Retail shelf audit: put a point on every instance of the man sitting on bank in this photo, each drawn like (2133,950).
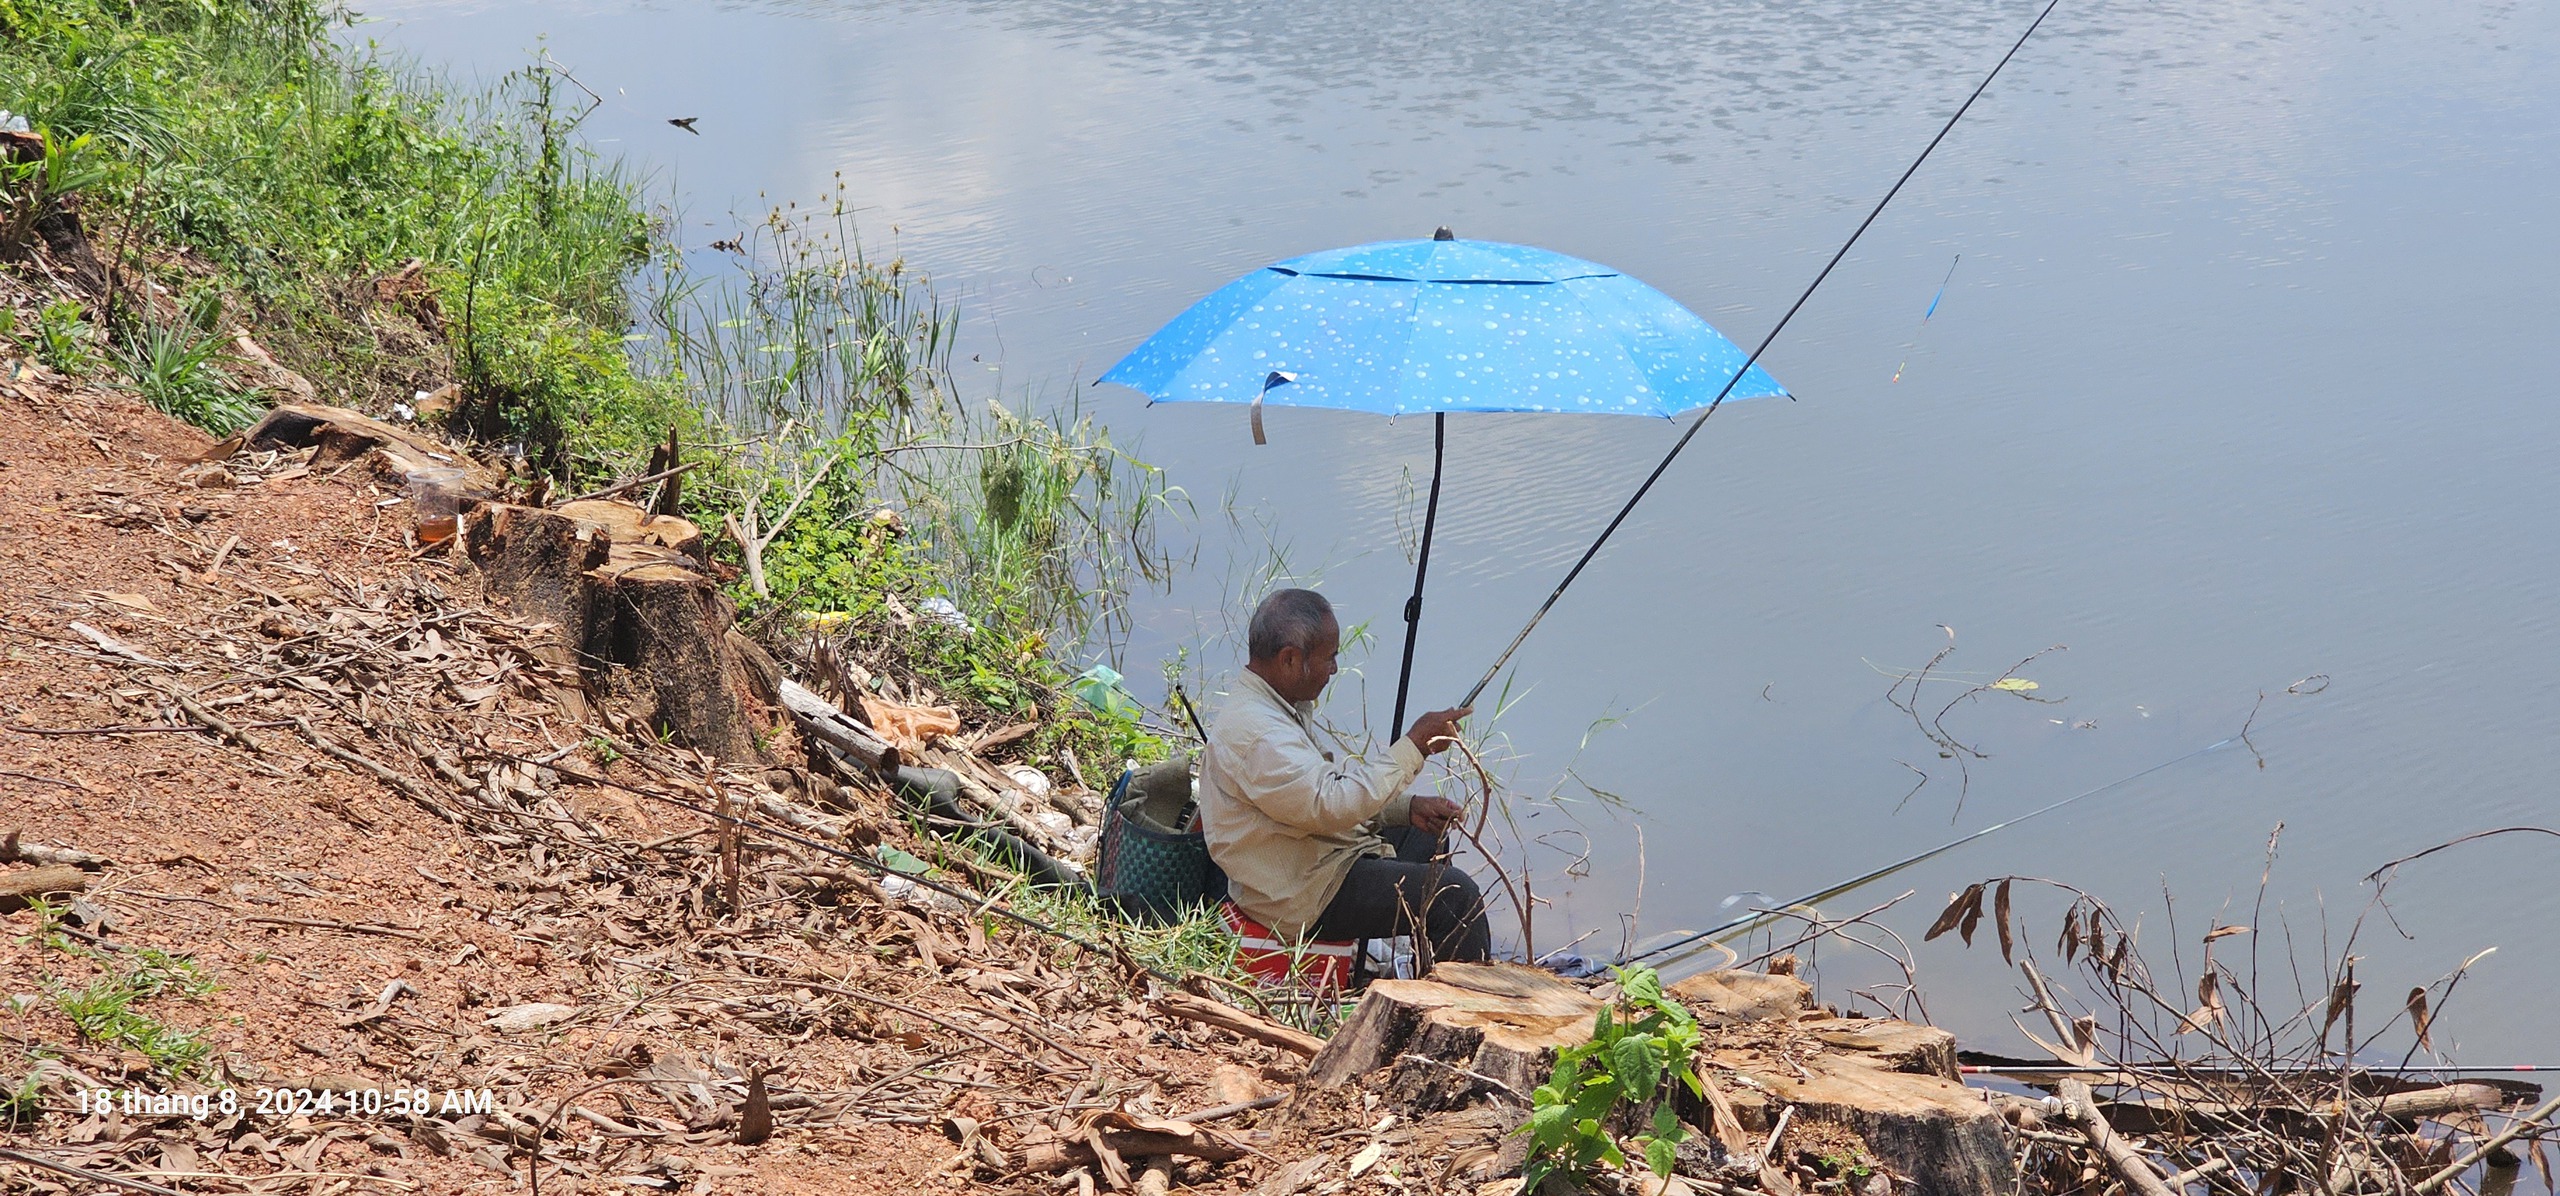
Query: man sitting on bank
(1318,848)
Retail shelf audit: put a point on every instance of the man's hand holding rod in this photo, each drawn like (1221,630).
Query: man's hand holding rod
(1433,733)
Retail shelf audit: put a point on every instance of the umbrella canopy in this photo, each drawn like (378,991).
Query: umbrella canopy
(1401,327)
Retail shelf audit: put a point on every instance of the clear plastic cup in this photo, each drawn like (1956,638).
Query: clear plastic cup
(435,499)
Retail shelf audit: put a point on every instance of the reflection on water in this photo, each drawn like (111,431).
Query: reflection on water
(2237,381)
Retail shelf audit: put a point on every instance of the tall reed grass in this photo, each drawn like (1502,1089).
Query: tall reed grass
(1031,522)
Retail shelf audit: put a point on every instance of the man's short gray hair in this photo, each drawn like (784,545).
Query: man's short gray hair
(1287,619)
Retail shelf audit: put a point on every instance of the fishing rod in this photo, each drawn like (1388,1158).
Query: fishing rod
(1756,918)
(2057,1069)
(1765,342)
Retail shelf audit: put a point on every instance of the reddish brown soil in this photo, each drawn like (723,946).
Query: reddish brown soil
(98,526)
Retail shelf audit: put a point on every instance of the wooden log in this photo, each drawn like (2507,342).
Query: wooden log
(1129,1136)
(819,719)
(19,885)
(2171,1107)
(15,851)
(1227,1017)
(2435,1102)
(343,436)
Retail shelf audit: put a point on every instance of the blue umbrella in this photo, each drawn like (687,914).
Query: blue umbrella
(1404,327)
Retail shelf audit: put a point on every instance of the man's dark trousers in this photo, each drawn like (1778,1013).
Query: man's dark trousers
(1377,899)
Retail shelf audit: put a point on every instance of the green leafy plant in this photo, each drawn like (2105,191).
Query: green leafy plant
(62,340)
(1640,1049)
(172,368)
(30,189)
(21,1103)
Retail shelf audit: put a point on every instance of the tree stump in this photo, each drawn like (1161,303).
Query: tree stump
(534,563)
(622,523)
(1477,1032)
(629,607)
(623,592)
(668,626)
(1889,1084)
(1469,1031)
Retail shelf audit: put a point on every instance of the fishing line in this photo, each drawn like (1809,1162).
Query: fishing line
(1753,920)
(1924,316)
(1701,421)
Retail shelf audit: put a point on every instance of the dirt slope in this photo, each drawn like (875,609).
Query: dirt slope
(470,918)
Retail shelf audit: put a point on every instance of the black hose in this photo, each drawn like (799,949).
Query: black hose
(936,792)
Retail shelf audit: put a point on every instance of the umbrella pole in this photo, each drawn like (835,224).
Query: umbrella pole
(1421,567)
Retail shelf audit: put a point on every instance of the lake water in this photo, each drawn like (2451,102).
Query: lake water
(2244,376)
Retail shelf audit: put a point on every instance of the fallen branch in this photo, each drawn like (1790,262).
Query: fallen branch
(116,647)
(629,484)
(753,540)
(394,932)
(83,1173)
(1227,1017)
(20,885)
(12,851)
(1222,1112)
(2532,1122)
(217,724)
(403,785)
(2081,1109)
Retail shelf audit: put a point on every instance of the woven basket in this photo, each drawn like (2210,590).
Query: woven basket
(1149,867)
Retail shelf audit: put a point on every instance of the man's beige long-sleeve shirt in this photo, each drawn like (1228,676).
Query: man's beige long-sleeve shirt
(1282,817)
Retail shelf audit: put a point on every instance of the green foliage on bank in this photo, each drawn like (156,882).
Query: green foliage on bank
(384,233)
(241,154)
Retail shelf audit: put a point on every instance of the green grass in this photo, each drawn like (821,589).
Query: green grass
(834,368)
(172,368)
(105,1010)
(1200,944)
(297,172)
(21,1103)
(300,176)
(61,340)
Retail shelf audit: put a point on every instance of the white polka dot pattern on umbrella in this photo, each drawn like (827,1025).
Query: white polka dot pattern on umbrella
(1401,327)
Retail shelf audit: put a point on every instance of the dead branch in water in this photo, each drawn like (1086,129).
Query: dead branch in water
(2211,1084)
